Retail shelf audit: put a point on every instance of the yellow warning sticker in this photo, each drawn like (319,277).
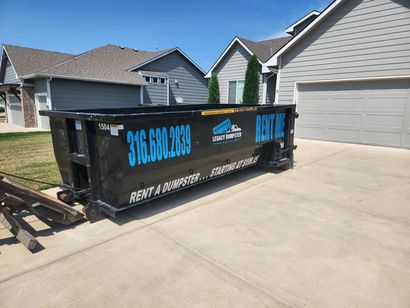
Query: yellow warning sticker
(217,111)
(228,110)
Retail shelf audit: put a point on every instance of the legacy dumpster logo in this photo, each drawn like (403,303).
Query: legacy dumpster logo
(226,132)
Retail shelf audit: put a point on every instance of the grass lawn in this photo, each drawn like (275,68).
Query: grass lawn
(29,155)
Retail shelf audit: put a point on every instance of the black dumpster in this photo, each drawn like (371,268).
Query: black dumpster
(125,157)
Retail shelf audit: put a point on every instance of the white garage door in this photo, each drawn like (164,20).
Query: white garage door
(14,110)
(373,112)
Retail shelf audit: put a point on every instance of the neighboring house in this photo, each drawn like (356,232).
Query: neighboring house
(348,72)
(230,67)
(106,77)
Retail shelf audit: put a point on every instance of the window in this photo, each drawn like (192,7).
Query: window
(235,91)
(154,79)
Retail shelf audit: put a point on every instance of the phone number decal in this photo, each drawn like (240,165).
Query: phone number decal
(156,144)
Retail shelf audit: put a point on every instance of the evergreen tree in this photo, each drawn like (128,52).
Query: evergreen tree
(251,87)
(213,90)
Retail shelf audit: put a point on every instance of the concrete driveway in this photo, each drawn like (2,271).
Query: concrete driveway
(12,128)
(332,232)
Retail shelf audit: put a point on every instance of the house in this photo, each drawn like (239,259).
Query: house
(106,77)
(231,68)
(231,65)
(348,71)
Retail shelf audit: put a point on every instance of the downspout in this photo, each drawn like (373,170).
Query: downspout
(278,80)
(141,95)
(49,103)
(168,91)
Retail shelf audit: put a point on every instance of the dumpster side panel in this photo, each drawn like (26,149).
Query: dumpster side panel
(142,160)
(128,158)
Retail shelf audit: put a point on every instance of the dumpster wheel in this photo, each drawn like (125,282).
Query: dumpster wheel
(93,213)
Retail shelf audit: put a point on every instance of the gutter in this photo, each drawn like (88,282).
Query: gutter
(82,79)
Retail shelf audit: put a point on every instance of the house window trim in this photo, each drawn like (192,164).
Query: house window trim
(166,83)
(236,94)
(8,95)
(151,77)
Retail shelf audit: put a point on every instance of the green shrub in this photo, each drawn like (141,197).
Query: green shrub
(213,90)
(251,87)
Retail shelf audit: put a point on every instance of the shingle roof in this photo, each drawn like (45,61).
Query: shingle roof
(265,49)
(108,63)
(28,60)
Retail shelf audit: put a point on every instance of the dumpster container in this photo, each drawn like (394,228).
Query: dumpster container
(125,157)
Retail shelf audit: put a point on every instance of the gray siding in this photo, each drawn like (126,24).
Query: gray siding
(40,85)
(71,94)
(155,94)
(192,86)
(233,67)
(10,74)
(359,39)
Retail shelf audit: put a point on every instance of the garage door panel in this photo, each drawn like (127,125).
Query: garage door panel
(346,103)
(312,118)
(382,138)
(379,103)
(305,131)
(342,134)
(344,119)
(407,140)
(369,112)
(314,103)
(15,111)
(384,121)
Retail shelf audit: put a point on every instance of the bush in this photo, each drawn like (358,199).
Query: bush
(251,87)
(1,109)
(213,90)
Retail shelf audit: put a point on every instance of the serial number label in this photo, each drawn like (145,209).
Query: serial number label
(156,144)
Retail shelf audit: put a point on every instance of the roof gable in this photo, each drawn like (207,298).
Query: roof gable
(262,49)
(28,60)
(265,49)
(273,61)
(167,52)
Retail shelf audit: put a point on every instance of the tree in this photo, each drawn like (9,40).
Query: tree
(251,87)
(213,90)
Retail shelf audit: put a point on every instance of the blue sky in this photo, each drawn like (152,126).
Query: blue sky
(201,28)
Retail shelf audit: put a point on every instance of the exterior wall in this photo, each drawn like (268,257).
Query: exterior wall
(29,108)
(271,89)
(72,95)
(360,39)
(192,85)
(233,67)
(40,85)
(155,94)
(9,74)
